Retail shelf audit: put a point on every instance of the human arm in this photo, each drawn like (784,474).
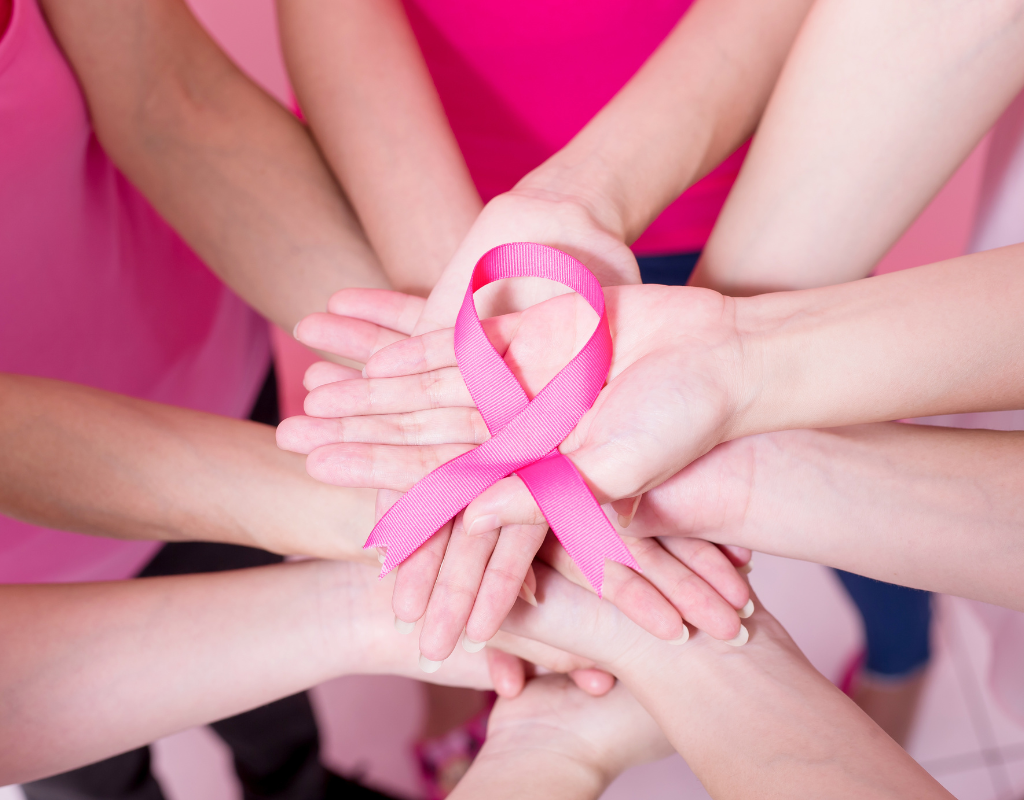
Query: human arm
(694,101)
(932,340)
(753,722)
(231,170)
(875,108)
(90,670)
(371,104)
(928,507)
(96,462)
(555,741)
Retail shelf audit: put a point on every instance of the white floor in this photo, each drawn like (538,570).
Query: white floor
(961,736)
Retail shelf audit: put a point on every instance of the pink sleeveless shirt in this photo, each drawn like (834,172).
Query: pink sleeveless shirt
(519,80)
(96,289)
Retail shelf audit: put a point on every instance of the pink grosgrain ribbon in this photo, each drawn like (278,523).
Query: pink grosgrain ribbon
(525,433)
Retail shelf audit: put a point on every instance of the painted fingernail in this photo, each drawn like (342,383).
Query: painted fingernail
(471,645)
(746,569)
(429,666)
(404,627)
(740,638)
(382,554)
(527,594)
(747,610)
(682,637)
(623,519)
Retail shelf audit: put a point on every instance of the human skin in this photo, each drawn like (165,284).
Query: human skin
(90,670)
(80,459)
(95,462)
(694,101)
(752,722)
(928,507)
(932,340)
(242,182)
(555,741)
(877,105)
(231,170)
(702,585)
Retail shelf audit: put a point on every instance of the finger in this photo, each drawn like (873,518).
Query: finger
(453,595)
(508,673)
(350,338)
(323,372)
(739,556)
(507,502)
(424,353)
(378,466)
(626,509)
(439,389)
(595,682)
(417,575)
(395,310)
(569,618)
(697,602)
(631,593)
(712,566)
(539,653)
(507,570)
(436,426)
(436,349)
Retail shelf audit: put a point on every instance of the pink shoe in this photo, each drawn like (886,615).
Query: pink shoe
(445,759)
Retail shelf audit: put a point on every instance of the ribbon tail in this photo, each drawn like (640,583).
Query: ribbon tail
(575,516)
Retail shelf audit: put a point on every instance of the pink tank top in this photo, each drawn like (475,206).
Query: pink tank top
(96,289)
(519,80)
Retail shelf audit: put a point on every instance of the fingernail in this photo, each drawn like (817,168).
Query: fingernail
(623,519)
(740,638)
(295,330)
(471,645)
(746,569)
(382,554)
(747,610)
(527,594)
(404,627)
(429,666)
(484,524)
(682,637)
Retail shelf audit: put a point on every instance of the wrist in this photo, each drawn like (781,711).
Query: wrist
(578,185)
(531,762)
(767,375)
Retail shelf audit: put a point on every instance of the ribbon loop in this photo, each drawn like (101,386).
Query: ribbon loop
(525,434)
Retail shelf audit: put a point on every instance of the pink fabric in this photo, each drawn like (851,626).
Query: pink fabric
(519,80)
(525,433)
(95,288)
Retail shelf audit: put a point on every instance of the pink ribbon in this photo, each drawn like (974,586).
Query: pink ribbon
(525,434)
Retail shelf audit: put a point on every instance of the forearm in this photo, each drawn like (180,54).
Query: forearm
(932,508)
(500,773)
(698,97)
(770,725)
(90,670)
(371,103)
(876,106)
(755,721)
(933,340)
(95,462)
(234,173)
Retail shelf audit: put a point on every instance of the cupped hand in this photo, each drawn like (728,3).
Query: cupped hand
(528,215)
(415,396)
(606,734)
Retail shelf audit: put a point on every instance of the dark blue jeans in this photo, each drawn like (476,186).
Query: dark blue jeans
(897,620)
